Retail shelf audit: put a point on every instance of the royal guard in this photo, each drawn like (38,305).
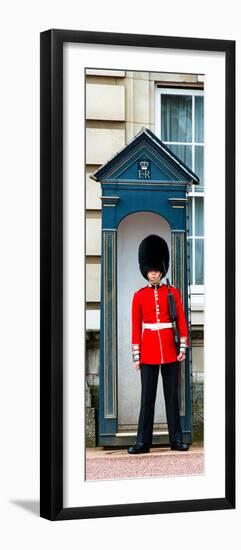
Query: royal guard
(159,338)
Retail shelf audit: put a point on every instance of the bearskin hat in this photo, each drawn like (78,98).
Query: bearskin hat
(153,254)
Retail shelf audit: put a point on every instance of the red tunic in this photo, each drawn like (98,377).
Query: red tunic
(150,305)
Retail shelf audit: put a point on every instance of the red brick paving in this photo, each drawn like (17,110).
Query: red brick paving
(118,464)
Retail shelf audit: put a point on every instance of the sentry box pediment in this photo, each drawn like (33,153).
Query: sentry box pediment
(145,160)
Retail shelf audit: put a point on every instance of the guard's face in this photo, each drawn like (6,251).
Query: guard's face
(154,275)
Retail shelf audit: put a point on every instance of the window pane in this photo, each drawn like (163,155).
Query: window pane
(176,118)
(189,211)
(199,119)
(189,248)
(199,247)
(199,166)
(183,152)
(199,216)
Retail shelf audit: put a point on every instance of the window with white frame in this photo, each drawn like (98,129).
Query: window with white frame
(180,125)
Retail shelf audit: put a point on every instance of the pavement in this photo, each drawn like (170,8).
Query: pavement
(104,463)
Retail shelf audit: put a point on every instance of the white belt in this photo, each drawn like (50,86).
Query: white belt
(156,326)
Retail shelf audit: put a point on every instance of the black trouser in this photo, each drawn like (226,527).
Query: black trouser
(149,379)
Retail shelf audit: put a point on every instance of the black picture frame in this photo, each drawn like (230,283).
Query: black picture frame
(51,273)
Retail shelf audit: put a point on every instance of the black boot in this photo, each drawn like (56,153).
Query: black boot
(138,448)
(179,446)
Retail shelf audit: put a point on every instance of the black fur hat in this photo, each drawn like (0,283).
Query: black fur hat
(153,254)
